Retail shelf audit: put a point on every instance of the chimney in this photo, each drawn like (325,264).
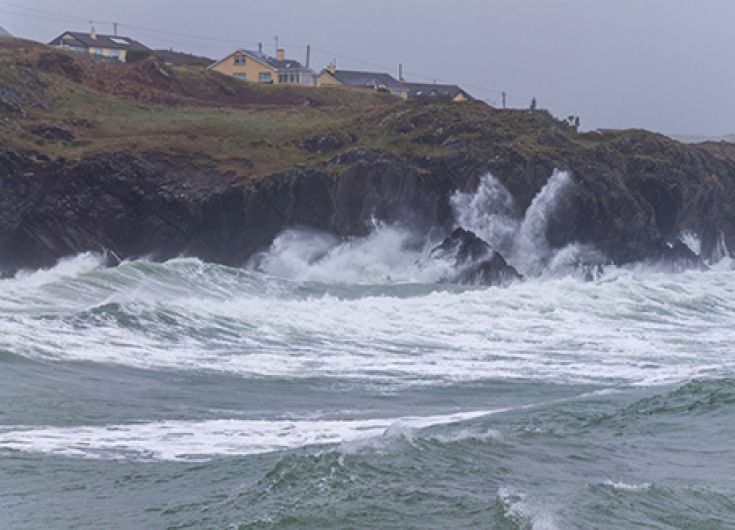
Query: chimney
(93,33)
(260,47)
(280,54)
(331,68)
(400,72)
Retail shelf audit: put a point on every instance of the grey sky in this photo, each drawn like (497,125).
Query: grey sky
(666,65)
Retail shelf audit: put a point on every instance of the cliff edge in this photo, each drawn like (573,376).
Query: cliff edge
(159,161)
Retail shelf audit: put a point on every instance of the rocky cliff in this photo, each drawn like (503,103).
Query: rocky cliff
(633,194)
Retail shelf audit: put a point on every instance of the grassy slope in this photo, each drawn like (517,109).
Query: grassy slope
(247,129)
(147,107)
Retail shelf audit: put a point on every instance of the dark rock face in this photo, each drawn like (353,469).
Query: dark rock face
(462,246)
(53,133)
(631,196)
(492,271)
(476,263)
(325,143)
(162,208)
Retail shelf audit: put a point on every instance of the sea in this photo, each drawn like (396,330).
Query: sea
(342,384)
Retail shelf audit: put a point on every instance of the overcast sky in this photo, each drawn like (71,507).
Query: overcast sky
(666,65)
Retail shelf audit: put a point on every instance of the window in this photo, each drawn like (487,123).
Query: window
(265,77)
(239,59)
(294,78)
(281,78)
(240,76)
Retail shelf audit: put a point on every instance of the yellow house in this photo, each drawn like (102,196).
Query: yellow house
(258,67)
(109,48)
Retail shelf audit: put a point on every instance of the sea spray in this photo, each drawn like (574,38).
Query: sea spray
(392,253)
(531,251)
(490,212)
(389,254)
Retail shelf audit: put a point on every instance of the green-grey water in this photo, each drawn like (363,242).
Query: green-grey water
(192,395)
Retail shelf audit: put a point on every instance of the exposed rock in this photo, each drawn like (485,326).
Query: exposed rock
(462,246)
(325,143)
(492,271)
(475,261)
(11,101)
(50,132)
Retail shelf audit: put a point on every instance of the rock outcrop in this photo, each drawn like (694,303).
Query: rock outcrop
(159,206)
(474,261)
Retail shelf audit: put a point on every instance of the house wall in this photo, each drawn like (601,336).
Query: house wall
(103,53)
(107,53)
(459,97)
(252,68)
(326,80)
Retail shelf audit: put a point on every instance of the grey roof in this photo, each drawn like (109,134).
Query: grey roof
(287,65)
(434,90)
(366,79)
(85,40)
(4,33)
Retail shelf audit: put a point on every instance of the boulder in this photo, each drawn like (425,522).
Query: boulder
(475,262)
(462,246)
(491,271)
(51,132)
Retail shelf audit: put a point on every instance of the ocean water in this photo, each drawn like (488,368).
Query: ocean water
(343,384)
(192,395)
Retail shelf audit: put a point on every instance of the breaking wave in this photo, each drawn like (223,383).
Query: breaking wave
(395,254)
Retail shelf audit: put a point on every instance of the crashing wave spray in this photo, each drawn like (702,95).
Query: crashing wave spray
(489,212)
(389,254)
(531,251)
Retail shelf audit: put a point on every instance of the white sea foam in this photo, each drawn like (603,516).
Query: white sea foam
(202,440)
(393,254)
(390,254)
(520,507)
(630,327)
(628,487)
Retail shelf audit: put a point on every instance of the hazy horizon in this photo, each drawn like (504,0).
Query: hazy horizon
(655,64)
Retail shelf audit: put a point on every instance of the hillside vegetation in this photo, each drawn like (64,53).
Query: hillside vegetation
(156,160)
(54,104)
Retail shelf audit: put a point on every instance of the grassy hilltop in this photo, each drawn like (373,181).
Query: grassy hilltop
(145,107)
(243,128)
(149,159)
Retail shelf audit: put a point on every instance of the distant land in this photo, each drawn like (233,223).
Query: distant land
(696,138)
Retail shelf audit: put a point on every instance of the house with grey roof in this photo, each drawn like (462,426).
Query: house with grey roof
(259,67)
(435,91)
(379,81)
(110,48)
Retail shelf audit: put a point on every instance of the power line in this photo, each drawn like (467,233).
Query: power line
(41,17)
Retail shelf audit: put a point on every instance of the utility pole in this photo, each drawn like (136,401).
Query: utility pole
(504,106)
(276,37)
(114,28)
(400,72)
(308,55)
